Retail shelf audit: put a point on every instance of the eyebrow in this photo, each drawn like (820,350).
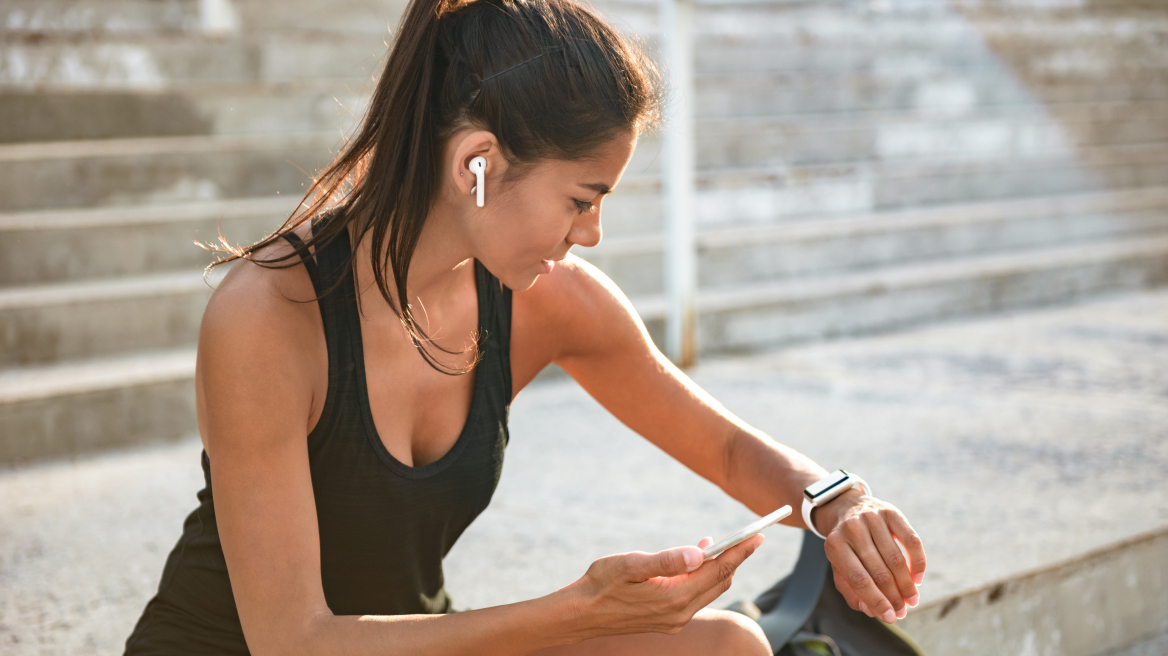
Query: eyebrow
(598,187)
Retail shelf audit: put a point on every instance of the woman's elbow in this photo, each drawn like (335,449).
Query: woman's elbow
(303,636)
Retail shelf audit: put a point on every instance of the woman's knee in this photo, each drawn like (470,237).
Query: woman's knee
(735,634)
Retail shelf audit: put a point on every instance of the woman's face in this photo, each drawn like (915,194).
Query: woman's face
(528,224)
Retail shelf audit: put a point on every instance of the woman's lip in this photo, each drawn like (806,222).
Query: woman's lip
(548,265)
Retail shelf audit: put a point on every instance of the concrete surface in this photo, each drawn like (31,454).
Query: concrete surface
(1091,604)
(1157,646)
(1010,443)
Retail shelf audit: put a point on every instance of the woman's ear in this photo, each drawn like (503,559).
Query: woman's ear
(468,146)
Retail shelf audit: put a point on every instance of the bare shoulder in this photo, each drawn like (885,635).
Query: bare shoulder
(573,287)
(258,301)
(261,344)
(579,309)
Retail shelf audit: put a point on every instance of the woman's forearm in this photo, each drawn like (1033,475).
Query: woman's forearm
(510,630)
(765,475)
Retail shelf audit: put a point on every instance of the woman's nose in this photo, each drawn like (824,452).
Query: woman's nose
(586,231)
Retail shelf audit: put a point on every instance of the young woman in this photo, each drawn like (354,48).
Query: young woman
(352,435)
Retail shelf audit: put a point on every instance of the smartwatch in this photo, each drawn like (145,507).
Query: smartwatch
(826,489)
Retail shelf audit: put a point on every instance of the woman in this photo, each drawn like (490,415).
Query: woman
(352,437)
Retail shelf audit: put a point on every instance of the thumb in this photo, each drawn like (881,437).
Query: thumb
(671,562)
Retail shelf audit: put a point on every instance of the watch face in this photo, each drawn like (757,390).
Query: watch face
(826,485)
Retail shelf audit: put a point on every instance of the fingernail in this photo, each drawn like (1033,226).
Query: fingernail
(918,578)
(901,613)
(889,617)
(864,609)
(692,557)
(913,600)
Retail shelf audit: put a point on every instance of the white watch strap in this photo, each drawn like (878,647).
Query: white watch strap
(808,506)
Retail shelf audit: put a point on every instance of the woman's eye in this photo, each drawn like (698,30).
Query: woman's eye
(583,206)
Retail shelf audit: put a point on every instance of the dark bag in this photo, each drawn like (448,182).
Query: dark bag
(805,615)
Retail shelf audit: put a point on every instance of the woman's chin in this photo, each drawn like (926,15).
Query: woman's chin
(520,281)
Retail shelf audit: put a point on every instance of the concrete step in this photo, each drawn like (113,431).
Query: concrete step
(1030,61)
(769,315)
(160,169)
(97,18)
(934,88)
(1042,611)
(998,132)
(89,18)
(728,258)
(187,110)
(77,407)
(345,16)
(1151,646)
(1040,6)
(155,61)
(910,24)
(57,246)
(919,8)
(46,175)
(768,196)
(95,318)
(859,27)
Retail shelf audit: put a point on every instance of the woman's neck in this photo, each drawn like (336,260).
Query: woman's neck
(441,254)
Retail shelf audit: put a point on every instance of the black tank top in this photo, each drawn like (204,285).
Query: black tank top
(384,526)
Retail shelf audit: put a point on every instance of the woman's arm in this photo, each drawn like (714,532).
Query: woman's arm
(255,392)
(577,318)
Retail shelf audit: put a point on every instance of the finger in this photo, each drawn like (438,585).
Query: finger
(860,539)
(849,595)
(912,544)
(893,558)
(856,576)
(705,542)
(715,575)
(671,562)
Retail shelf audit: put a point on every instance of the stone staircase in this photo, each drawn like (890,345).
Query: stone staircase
(864,166)
(127,130)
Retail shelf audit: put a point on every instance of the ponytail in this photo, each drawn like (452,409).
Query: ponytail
(548,78)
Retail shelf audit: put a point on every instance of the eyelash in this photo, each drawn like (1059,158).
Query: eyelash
(583,206)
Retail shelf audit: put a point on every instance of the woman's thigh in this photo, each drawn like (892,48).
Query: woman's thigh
(709,633)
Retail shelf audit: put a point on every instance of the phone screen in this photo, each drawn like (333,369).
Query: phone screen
(746,532)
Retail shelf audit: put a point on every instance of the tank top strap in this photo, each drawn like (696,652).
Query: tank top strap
(327,269)
(308,260)
(495,319)
(334,259)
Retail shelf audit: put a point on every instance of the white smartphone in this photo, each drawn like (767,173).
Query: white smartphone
(746,532)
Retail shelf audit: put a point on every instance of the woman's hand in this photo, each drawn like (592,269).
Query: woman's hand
(870,569)
(659,592)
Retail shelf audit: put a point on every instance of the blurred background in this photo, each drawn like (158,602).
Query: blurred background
(929,240)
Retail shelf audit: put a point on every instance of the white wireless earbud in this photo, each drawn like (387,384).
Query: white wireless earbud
(478,166)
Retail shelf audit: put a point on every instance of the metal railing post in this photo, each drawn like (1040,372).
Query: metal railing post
(677,181)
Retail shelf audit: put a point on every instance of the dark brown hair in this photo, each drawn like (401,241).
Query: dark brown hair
(549,78)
